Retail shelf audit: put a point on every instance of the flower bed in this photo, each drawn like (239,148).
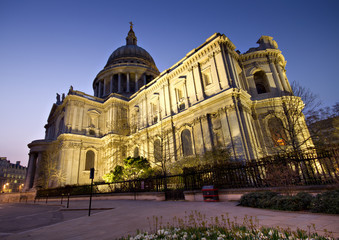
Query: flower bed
(197,226)
(219,233)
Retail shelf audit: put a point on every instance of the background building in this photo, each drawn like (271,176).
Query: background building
(214,97)
(12,176)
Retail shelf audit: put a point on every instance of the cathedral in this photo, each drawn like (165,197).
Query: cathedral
(214,97)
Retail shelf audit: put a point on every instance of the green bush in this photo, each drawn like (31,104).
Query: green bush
(305,200)
(258,199)
(287,203)
(327,202)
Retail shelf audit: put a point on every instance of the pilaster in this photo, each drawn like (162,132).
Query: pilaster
(198,82)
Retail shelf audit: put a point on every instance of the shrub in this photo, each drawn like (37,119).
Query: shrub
(327,202)
(258,199)
(305,200)
(287,203)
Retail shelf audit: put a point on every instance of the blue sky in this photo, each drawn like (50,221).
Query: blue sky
(46,46)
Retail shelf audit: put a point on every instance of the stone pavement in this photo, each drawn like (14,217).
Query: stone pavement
(127,216)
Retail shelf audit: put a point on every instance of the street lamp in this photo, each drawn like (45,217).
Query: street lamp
(5,187)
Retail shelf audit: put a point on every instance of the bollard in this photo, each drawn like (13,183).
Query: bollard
(46,198)
(68,200)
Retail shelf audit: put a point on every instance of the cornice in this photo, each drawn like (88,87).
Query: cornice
(263,54)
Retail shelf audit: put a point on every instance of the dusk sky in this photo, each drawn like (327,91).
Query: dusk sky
(46,46)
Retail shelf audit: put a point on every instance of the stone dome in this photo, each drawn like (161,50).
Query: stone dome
(127,70)
(131,53)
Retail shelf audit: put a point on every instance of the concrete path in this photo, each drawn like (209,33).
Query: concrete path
(127,216)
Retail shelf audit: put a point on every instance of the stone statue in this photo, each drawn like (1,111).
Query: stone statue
(70,89)
(58,98)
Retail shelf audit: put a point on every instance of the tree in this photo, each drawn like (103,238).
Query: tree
(134,167)
(216,157)
(324,126)
(287,124)
(115,175)
(50,175)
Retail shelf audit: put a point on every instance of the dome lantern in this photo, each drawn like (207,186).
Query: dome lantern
(131,39)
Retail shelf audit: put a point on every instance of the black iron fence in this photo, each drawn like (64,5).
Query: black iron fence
(311,168)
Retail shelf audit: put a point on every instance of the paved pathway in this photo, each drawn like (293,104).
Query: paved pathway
(127,216)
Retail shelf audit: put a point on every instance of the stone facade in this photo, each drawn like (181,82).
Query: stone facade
(213,97)
(12,176)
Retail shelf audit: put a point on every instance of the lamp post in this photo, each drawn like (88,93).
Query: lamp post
(91,176)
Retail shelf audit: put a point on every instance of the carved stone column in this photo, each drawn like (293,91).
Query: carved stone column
(127,87)
(187,102)
(105,83)
(136,82)
(282,78)
(100,93)
(38,162)
(119,83)
(198,82)
(275,75)
(215,73)
(111,84)
(29,180)
(205,125)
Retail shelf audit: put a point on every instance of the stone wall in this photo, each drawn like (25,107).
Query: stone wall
(17,197)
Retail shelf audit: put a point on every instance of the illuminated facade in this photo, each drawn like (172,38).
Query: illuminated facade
(213,97)
(12,176)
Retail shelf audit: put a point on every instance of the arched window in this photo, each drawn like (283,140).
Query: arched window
(186,141)
(136,152)
(277,132)
(90,156)
(261,82)
(157,150)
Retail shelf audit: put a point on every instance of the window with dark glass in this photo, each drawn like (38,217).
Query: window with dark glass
(186,141)
(261,82)
(90,156)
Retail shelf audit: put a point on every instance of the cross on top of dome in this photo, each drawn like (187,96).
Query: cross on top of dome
(131,39)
